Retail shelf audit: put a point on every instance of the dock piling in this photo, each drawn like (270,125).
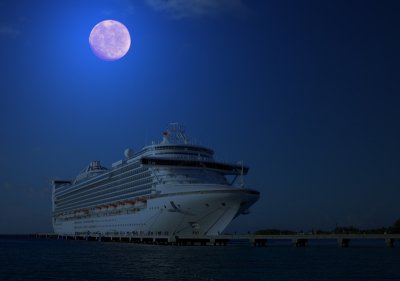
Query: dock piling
(299,242)
(389,242)
(343,242)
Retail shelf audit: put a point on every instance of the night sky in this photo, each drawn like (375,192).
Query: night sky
(306,93)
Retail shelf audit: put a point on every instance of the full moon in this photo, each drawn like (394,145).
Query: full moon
(110,40)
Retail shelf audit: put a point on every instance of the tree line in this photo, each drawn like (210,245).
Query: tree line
(393,229)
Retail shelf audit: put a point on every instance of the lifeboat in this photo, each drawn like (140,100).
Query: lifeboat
(128,204)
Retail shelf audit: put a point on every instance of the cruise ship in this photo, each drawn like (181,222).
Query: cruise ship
(170,188)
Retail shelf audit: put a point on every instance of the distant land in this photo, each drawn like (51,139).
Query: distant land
(394,229)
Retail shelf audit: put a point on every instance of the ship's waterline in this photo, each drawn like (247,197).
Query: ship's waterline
(170,188)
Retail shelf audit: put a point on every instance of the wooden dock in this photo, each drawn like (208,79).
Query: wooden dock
(297,240)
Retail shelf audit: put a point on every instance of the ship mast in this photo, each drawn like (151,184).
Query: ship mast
(175,134)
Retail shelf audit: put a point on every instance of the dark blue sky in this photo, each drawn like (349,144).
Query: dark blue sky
(307,93)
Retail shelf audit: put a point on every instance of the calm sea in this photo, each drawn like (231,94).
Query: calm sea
(35,259)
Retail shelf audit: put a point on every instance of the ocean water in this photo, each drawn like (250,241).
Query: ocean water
(40,259)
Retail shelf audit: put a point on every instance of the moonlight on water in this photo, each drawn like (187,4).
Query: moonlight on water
(110,40)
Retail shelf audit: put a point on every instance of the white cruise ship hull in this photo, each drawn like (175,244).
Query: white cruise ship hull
(204,210)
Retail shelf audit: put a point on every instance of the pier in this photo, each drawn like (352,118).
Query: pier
(297,240)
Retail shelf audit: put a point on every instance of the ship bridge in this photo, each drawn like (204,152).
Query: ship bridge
(227,169)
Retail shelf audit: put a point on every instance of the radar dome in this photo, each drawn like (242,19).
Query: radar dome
(128,153)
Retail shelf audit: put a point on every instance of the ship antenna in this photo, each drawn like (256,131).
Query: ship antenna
(177,133)
(241,176)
